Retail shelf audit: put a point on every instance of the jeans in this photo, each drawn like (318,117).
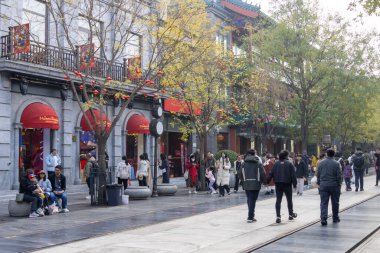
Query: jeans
(347,180)
(124,181)
(165,178)
(35,200)
(359,178)
(210,185)
(282,188)
(222,187)
(62,196)
(251,201)
(326,193)
(236,188)
(300,183)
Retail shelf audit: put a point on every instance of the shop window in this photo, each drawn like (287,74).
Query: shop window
(132,150)
(90,33)
(133,46)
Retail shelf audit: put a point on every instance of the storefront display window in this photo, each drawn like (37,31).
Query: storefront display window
(222,141)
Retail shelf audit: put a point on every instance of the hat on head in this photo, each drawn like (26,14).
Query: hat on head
(42,172)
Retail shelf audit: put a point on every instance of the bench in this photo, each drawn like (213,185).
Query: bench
(138,192)
(166,189)
(19,209)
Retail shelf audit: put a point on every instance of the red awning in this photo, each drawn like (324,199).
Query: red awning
(38,115)
(94,122)
(138,124)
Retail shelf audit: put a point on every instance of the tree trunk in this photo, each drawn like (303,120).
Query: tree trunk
(304,127)
(101,142)
(202,170)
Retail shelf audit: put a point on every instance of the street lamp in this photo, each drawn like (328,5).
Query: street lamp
(156,129)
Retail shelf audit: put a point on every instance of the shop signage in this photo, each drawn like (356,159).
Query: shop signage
(180,106)
(49,119)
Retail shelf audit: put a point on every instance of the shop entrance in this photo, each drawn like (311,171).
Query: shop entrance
(37,136)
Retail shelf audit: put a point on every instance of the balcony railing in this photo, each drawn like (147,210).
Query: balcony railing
(64,59)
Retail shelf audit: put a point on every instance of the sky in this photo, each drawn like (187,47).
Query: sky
(333,6)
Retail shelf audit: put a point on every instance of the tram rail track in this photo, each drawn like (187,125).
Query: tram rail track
(309,224)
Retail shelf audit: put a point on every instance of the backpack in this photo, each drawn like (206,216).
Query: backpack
(358,162)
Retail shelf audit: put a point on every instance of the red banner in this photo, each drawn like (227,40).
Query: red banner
(180,106)
(134,68)
(86,56)
(21,38)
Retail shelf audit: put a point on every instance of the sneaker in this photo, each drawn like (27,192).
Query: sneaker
(292,216)
(361,189)
(324,222)
(300,193)
(278,220)
(249,220)
(267,193)
(40,212)
(195,192)
(235,191)
(337,220)
(88,197)
(65,210)
(214,192)
(229,193)
(272,191)
(189,191)
(220,195)
(356,189)
(34,215)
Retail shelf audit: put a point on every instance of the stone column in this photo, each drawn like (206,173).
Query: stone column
(123,146)
(76,166)
(16,152)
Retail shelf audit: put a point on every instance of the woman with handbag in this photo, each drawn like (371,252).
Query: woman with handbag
(164,167)
(143,171)
(223,176)
(192,168)
(45,186)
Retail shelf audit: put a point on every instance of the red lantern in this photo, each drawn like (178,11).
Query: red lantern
(147,81)
(108,79)
(66,77)
(76,73)
(105,90)
(116,96)
(145,95)
(155,95)
(151,83)
(124,97)
(163,91)
(95,92)
(93,83)
(81,87)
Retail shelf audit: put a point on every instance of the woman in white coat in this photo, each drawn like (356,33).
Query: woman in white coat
(223,177)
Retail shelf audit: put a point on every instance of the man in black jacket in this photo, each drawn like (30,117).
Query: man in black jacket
(284,176)
(252,175)
(358,163)
(329,179)
(58,185)
(302,172)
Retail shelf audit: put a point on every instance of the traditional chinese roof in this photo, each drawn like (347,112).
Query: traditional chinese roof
(242,8)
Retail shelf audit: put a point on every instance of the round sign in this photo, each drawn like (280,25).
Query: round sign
(156,127)
(157,111)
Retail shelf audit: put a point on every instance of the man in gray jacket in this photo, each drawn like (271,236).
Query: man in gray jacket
(329,179)
(252,176)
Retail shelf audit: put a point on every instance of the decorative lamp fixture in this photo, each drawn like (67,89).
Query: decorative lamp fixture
(130,106)
(115,101)
(64,93)
(24,83)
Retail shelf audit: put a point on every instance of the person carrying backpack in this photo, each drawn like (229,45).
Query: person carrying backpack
(358,163)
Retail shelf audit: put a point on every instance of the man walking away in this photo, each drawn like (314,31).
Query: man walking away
(252,176)
(358,163)
(329,179)
(51,161)
(377,166)
(284,176)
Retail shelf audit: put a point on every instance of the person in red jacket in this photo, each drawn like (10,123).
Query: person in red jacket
(192,167)
(268,165)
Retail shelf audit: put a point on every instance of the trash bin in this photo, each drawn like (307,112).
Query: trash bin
(114,194)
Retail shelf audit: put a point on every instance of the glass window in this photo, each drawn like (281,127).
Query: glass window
(34,13)
(133,46)
(84,35)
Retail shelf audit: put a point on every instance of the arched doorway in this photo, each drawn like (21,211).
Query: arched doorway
(137,129)
(37,135)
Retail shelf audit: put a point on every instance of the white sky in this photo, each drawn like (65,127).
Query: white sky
(333,6)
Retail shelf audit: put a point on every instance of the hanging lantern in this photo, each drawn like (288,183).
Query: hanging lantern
(81,87)
(105,90)
(93,83)
(108,79)
(95,92)
(66,77)
(145,95)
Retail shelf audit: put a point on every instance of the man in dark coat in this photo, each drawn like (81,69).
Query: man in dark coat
(252,176)
(302,172)
(58,185)
(329,179)
(358,162)
(284,176)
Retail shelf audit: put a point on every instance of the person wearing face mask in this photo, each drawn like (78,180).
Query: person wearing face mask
(301,173)
(223,178)
(192,168)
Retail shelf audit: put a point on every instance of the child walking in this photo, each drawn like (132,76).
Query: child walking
(211,179)
(347,174)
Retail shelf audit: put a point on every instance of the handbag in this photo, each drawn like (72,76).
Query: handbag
(141,177)
(19,197)
(186,174)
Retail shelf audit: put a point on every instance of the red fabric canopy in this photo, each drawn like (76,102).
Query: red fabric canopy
(138,124)
(94,122)
(38,115)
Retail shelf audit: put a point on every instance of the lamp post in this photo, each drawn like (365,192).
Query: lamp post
(156,128)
